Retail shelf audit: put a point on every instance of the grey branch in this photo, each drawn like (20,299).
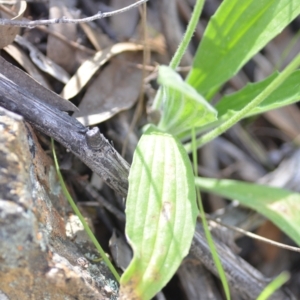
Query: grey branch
(99,15)
(30,103)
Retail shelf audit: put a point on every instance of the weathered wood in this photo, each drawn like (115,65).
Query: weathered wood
(106,161)
(26,83)
(241,276)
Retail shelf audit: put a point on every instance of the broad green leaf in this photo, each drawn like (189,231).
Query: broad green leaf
(287,93)
(280,206)
(161,213)
(182,107)
(237,31)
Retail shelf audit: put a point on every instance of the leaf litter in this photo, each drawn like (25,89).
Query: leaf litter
(109,81)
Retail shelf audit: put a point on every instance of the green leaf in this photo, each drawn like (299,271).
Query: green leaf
(280,206)
(237,31)
(274,285)
(182,107)
(161,213)
(287,93)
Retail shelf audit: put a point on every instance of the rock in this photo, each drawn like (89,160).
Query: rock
(37,259)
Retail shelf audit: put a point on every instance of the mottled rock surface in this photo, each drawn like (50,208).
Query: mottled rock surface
(37,259)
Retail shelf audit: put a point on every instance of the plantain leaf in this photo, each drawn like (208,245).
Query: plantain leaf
(183,108)
(237,31)
(280,206)
(161,214)
(287,93)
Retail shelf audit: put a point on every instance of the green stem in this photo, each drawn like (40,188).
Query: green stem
(248,108)
(208,235)
(188,35)
(182,47)
(81,218)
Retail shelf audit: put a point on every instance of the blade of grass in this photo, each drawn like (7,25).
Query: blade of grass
(80,216)
(274,285)
(247,109)
(183,46)
(209,238)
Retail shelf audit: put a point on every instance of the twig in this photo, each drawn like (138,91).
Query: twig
(16,1)
(71,43)
(57,35)
(92,193)
(99,15)
(89,145)
(242,277)
(255,236)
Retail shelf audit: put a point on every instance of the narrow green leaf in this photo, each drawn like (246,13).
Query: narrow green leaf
(182,107)
(161,213)
(280,206)
(80,216)
(208,235)
(274,285)
(174,63)
(237,31)
(182,46)
(287,93)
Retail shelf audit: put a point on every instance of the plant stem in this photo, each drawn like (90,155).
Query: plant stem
(188,35)
(208,235)
(182,47)
(81,218)
(247,109)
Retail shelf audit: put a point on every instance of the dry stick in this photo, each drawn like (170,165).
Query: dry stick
(101,201)
(16,1)
(89,145)
(242,277)
(99,15)
(71,43)
(255,236)
(53,33)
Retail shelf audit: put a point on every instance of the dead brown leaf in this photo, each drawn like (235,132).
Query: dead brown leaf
(92,65)
(8,33)
(58,51)
(115,89)
(43,62)
(96,36)
(22,58)
(124,24)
